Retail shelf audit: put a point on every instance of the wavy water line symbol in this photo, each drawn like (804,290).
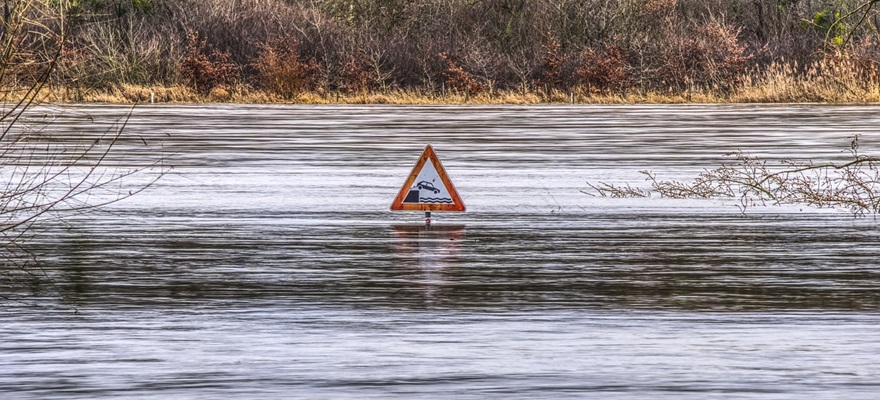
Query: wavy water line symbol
(435,200)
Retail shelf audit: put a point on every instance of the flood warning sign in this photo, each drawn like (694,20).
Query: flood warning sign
(428,187)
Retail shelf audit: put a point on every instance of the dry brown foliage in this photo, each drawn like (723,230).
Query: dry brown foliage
(458,79)
(355,75)
(552,63)
(604,71)
(282,70)
(204,68)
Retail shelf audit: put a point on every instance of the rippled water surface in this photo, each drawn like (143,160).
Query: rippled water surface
(266,263)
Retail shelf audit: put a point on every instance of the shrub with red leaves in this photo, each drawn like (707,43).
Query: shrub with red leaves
(355,75)
(604,71)
(458,79)
(551,67)
(204,71)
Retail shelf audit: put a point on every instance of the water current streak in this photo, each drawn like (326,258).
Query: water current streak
(659,262)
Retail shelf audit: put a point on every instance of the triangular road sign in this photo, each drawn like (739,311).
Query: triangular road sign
(428,187)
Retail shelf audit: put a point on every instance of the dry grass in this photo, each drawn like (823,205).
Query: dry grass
(829,80)
(775,91)
(826,80)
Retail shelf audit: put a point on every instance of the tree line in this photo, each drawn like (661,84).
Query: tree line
(288,47)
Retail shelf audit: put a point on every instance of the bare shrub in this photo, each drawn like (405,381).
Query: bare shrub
(234,27)
(522,66)
(652,8)
(605,189)
(865,55)
(724,58)
(853,185)
(377,60)
(709,56)
(29,45)
(112,43)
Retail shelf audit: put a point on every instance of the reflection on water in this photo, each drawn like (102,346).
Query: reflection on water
(433,251)
(654,262)
(267,265)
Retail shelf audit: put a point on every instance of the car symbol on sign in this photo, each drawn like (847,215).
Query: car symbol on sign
(427,186)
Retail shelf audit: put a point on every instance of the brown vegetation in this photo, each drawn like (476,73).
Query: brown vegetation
(440,51)
(205,69)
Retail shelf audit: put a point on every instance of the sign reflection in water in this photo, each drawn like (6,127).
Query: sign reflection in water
(429,249)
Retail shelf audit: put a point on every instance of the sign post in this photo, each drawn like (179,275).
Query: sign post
(428,188)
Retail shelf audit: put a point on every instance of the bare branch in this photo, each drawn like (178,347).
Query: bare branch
(853,185)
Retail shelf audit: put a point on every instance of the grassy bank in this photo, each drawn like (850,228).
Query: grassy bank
(776,93)
(822,82)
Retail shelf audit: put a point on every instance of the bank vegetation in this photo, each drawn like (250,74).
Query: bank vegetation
(452,51)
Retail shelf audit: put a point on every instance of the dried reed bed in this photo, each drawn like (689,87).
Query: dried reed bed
(826,80)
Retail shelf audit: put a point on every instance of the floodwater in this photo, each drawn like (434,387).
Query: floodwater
(266,263)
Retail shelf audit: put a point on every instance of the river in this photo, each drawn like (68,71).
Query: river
(266,263)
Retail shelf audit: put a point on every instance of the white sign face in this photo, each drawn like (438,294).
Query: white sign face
(430,187)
